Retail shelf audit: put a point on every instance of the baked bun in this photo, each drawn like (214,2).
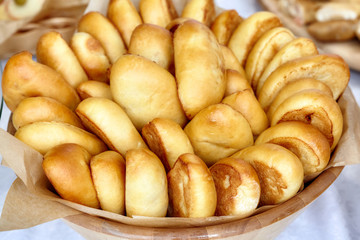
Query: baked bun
(23,77)
(53,51)
(109,121)
(246,103)
(67,168)
(125,17)
(101,28)
(316,108)
(93,88)
(146,188)
(231,62)
(42,136)
(194,45)
(192,191)
(108,175)
(154,43)
(237,187)
(249,31)
(167,140)
(280,171)
(145,91)
(235,82)
(157,12)
(304,140)
(217,132)
(175,23)
(43,109)
(91,56)
(225,24)
(200,10)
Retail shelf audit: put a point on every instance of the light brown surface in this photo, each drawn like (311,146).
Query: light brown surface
(93,88)
(235,82)
(200,10)
(158,12)
(224,25)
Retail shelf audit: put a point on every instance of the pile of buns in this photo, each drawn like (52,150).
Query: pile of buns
(157,114)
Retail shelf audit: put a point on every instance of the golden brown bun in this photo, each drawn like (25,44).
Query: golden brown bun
(192,191)
(175,23)
(200,10)
(94,89)
(108,174)
(145,91)
(225,24)
(23,77)
(306,141)
(330,69)
(294,87)
(43,109)
(231,62)
(334,30)
(101,28)
(109,121)
(297,48)
(125,17)
(235,82)
(67,168)
(196,50)
(42,136)
(217,132)
(249,31)
(91,56)
(146,188)
(167,140)
(264,50)
(280,171)
(158,12)
(154,43)
(316,108)
(53,51)
(246,103)
(237,187)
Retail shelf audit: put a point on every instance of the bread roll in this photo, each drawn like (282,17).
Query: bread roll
(167,140)
(93,88)
(192,191)
(304,140)
(53,51)
(91,56)
(154,43)
(158,12)
(217,132)
(145,91)
(109,121)
(67,168)
(108,174)
(330,31)
(231,62)
(43,109)
(280,171)
(196,50)
(23,77)
(225,24)
(235,82)
(175,23)
(237,187)
(42,136)
(200,10)
(249,31)
(246,103)
(101,28)
(316,108)
(146,187)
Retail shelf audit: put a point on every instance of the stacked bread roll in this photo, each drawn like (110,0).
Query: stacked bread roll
(158,113)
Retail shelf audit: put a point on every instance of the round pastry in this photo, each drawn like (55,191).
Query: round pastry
(91,55)
(231,61)
(109,121)
(167,140)
(53,51)
(235,82)
(217,132)
(158,12)
(108,175)
(225,24)
(23,77)
(146,187)
(316,108)
(192,191)
(43,109)
(67,168)
(93,88)
(101,28)
(237,187)
(42,136)
(304,140)
(200,10)
(280,171)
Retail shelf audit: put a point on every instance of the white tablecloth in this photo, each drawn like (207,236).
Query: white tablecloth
(334,215)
